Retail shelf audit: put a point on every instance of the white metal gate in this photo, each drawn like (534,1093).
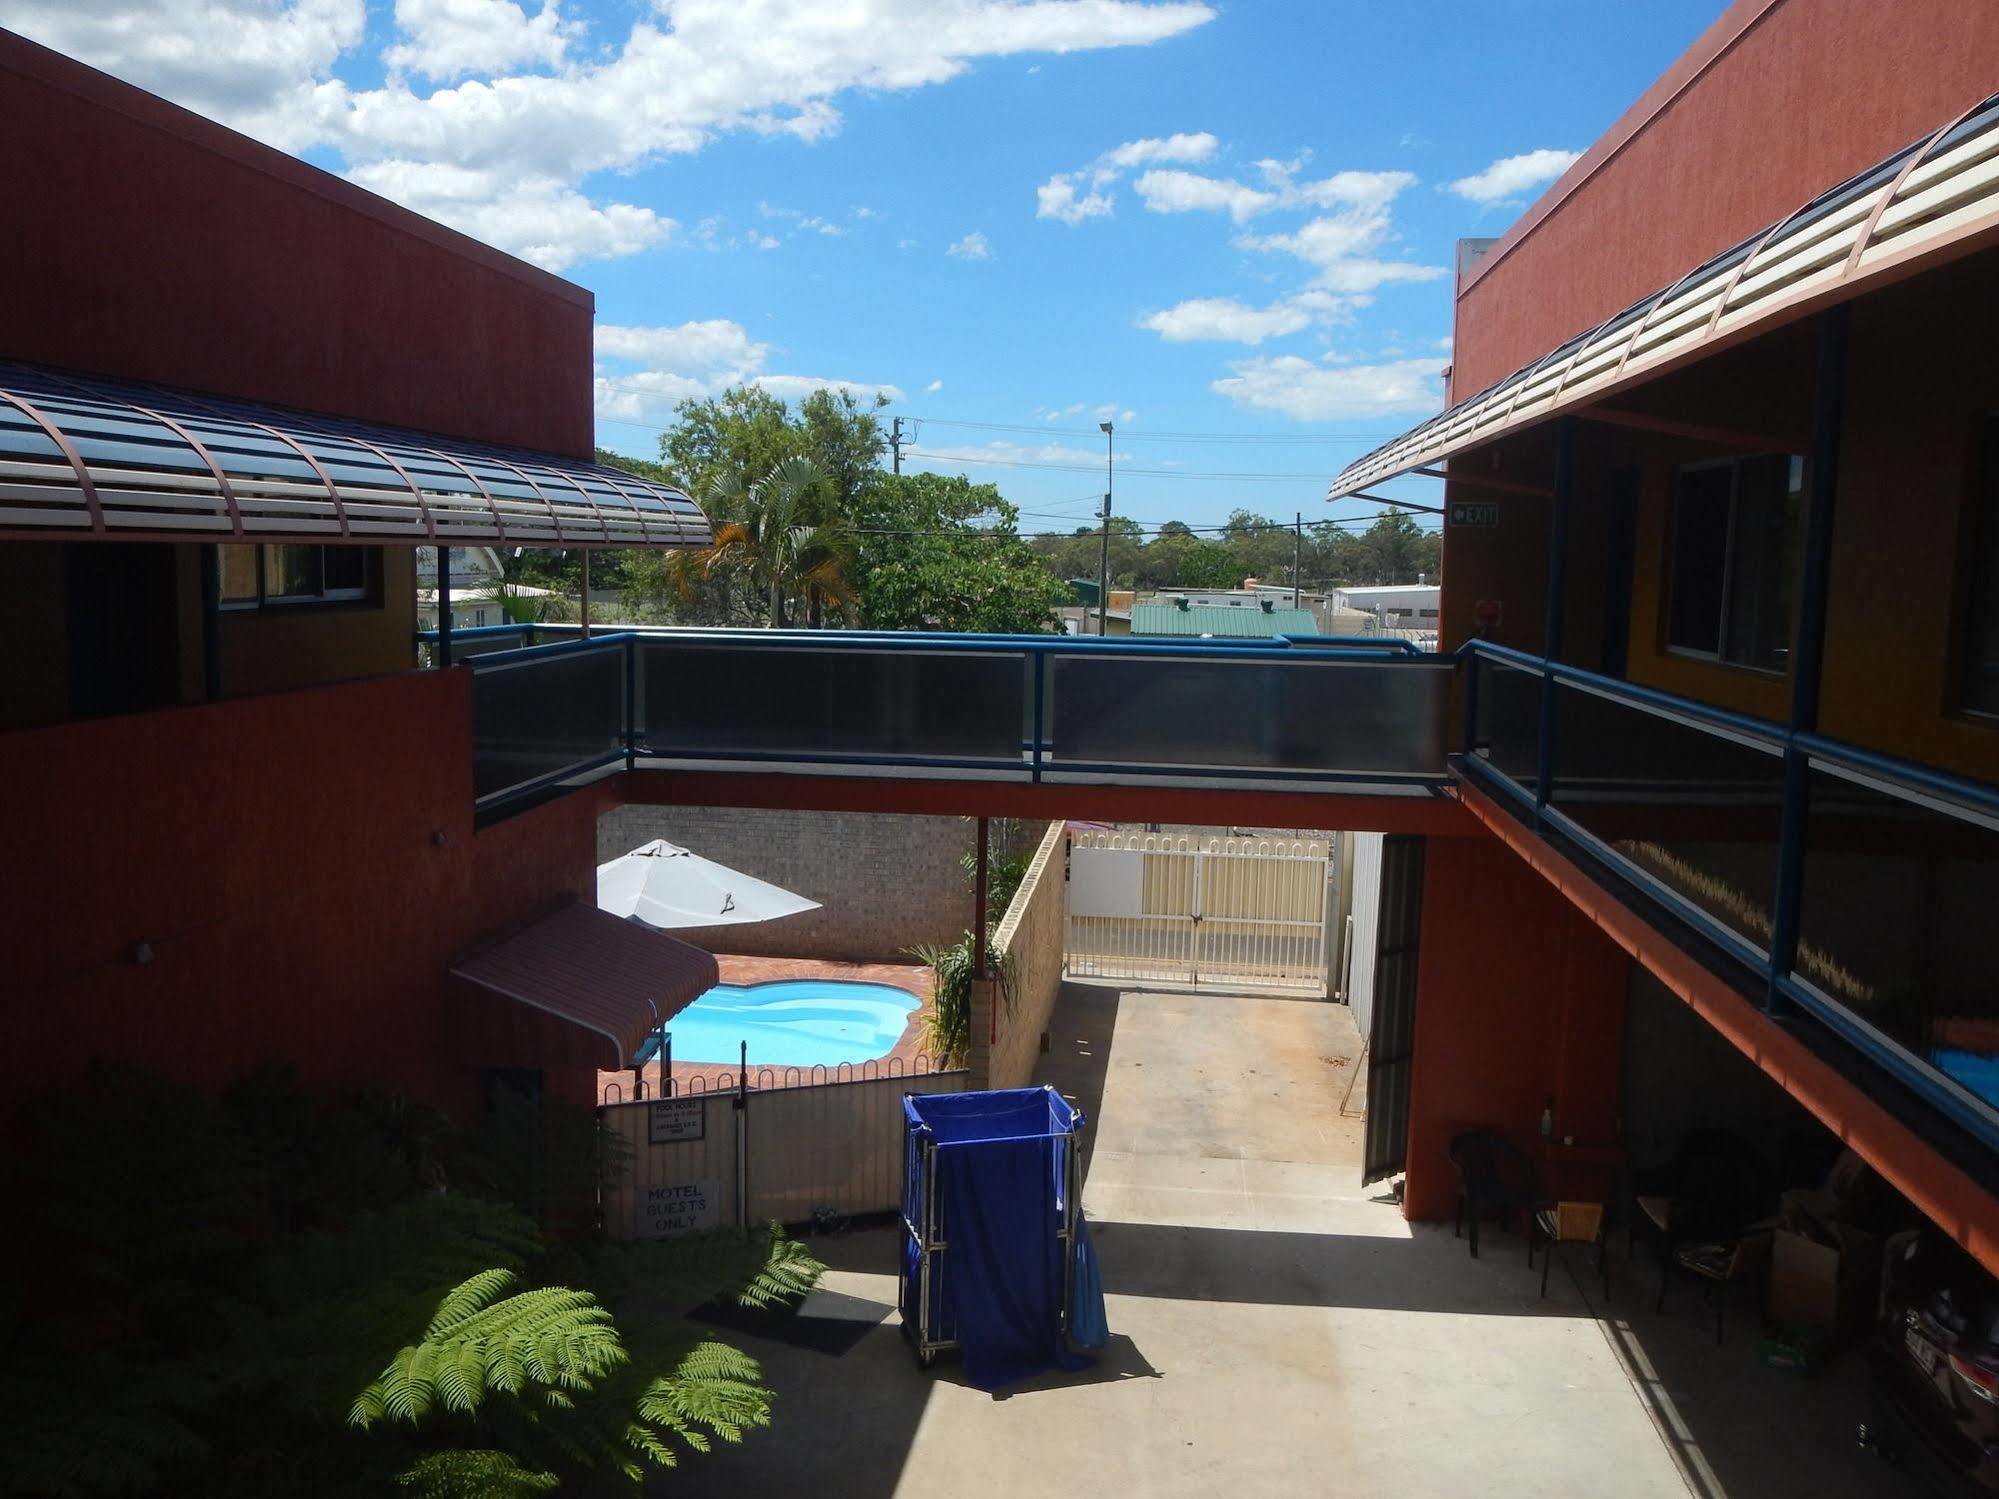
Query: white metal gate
(1189,909)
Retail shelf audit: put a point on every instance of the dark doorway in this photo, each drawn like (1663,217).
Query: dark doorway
(121,602)
(1392,1028)
(1620,558)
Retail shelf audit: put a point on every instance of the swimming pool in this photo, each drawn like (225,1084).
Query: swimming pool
(790,1023)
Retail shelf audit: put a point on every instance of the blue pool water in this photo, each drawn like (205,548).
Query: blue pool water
(792,1023)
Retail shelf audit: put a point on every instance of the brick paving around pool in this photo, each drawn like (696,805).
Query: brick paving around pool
(703,1075)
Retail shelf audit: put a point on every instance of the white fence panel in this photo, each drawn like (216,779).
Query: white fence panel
(1366,907)
(683,1172)
(1179,908)
(694,1160)
(837,1146)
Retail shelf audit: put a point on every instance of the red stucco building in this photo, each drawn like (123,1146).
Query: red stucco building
(1716,727)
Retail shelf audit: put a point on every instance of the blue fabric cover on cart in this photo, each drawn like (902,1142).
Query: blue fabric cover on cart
(1088,1327)
(1001,1158)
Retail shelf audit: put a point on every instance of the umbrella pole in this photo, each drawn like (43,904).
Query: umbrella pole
(979,906)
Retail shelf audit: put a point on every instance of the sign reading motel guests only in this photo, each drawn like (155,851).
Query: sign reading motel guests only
(679,1208)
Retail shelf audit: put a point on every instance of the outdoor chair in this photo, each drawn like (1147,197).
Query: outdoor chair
(1706,1195)
(1717,1266)
(1496,1181)
(1558,1223)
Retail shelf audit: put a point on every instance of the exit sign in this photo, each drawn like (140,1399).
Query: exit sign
(1474,513)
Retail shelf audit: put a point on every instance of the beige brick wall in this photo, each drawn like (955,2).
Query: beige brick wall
(884,882)
(1032,937)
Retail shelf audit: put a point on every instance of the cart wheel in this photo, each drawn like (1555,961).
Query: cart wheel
(924,1359)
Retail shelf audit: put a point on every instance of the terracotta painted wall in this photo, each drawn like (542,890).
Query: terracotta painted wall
(277,854)
(1920,385)
(223,265)
(275,649)
(1778,101)
(1519,997)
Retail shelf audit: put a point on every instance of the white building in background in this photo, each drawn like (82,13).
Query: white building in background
(1404,606)
(476,577)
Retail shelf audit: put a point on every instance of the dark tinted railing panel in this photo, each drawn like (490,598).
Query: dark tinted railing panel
(1693,807)
(1158,712)
(538,717)
(879,705)
(1896,922)
(1506,730)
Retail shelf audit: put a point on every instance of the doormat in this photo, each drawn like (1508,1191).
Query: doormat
(827,1322)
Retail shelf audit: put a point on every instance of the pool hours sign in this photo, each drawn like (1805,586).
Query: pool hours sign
(680,1208)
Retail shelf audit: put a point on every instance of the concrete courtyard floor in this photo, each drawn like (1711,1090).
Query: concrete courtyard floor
(1277,1329)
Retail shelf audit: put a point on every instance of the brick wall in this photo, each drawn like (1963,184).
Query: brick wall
(1031,939)
(884,882)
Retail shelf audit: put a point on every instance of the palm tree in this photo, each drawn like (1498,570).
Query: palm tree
(779,532)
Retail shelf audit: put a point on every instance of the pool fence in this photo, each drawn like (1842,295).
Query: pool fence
(765,1147)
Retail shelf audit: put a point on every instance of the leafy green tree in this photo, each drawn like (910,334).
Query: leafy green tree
(938,552)
(312,1297)
(747,430)
(784,533)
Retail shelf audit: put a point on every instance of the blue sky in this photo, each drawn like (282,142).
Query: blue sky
(1015,216)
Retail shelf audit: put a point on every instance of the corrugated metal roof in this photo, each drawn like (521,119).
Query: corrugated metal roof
(616,978)
(1220,621)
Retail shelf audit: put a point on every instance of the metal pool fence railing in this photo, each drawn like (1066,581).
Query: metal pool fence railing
(740,1155)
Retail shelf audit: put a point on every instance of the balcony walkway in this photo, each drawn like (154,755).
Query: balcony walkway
(1278,1330)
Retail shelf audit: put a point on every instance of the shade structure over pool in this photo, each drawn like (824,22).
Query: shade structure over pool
(586,988)
(665,885)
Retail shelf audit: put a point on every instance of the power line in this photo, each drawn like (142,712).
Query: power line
(1246,477)
(1276,439)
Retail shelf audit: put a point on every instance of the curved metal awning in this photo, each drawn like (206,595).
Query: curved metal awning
(84,457)
(1928,202)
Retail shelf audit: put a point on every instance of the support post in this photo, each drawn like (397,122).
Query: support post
(583,606)
(443,604)
(211,624)
(980,874)
(1808,649)
(1558,581)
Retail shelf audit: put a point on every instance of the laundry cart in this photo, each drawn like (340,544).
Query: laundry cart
(990,1219)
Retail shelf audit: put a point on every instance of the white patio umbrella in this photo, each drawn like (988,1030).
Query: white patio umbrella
(665,885)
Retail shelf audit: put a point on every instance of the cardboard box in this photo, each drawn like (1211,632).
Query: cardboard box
(1804,1281)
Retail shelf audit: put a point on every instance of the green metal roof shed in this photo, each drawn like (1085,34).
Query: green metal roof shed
(1220,621)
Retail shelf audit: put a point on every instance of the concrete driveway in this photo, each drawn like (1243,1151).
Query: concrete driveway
(1278,1329)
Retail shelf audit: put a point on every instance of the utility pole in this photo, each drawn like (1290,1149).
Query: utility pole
(1104,560)
(1297,553)
(895,442)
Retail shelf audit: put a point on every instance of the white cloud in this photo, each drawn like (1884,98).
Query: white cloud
(537,218)
(1226,320)
(1065,197)
(1309,392)
(797,387)
(448,39)
(714,344)
(1511,176)
(685,72)
(1057,199)
(692,360)
(249,63)
(933,387)
(1004,453)
(1180,146)
(972,247)
(759,240)
(1188,192)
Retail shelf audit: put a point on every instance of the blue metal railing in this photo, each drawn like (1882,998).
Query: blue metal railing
(1825,886)
(1007,707)
(1799,857)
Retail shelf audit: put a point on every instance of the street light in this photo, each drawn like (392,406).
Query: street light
(1104,560)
